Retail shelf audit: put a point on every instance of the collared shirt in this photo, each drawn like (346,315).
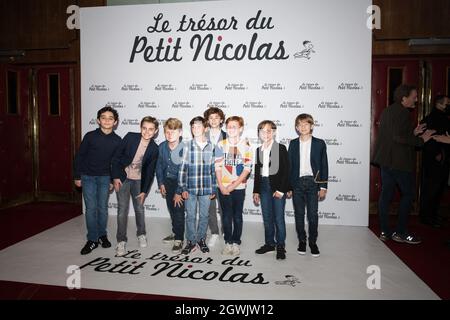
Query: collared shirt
(232,160)
(266,160)
(135,168)
(305,158)
(169,163)
(197,174)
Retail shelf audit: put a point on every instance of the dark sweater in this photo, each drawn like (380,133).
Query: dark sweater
(395,147)
(94,155)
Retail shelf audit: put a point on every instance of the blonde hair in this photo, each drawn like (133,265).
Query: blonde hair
(173,124)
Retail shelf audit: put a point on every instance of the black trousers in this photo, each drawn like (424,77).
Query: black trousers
(434,183)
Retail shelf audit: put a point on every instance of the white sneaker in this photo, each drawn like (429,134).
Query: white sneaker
(227,250)
(213,239)
(142,239)
(235,251)
(121,249)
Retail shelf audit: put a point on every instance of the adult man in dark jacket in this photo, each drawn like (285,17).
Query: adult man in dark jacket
(435,162)
(395,153)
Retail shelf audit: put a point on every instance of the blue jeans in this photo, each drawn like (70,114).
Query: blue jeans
(305,194)
(405,181)
(273,215)
(96,194)
(232,206)
(193,232)
(176,213)
(129,188)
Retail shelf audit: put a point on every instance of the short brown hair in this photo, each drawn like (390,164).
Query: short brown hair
(214,110)
(173,124)
(304,116)
(198,119)
(402,91)
(238,119)
(151,120)
(262,124)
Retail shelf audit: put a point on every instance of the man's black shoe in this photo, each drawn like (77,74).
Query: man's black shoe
(264,249)
(301,247)
(103,240)
(314,250)
(281,253)
(89,246)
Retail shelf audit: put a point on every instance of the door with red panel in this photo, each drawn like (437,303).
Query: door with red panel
(16,175)
(387,74)
(55,152)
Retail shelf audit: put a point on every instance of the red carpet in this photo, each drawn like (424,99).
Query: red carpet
(429,260)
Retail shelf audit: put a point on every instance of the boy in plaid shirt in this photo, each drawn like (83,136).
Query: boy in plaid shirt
(197,181)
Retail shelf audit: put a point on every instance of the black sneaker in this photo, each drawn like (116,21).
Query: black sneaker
(314,250)
(264,249)
(409,238)
(190,247)
(281,253)
(89,246)
(103,240)
(202,245)
(301,247)
(384,236)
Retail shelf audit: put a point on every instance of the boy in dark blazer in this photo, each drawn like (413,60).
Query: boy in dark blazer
(133,169)
(308,179)
(270,187)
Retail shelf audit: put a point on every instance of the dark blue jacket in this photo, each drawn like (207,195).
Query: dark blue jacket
(124,155)
(319,162)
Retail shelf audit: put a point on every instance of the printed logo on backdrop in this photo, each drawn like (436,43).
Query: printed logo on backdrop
(272,86)
(147,105)
(112,205)
(328,215)
(289,213)
(235,86)
(131,87)
(308,49)
(150,207)
(116,104)
(349,124)
(291,105)
(199,87)
(207,46)
(350,86)
(285,141)
(310,86)
(251,212)
(278,123)
(196,268)
(349,161)
(93,121)
(218,104)
(333,142)
(182,105)
(98,87)
(165,87)
(130,122)
(347,197)
(318,124)
(333,179)
(330,105)
(253,105)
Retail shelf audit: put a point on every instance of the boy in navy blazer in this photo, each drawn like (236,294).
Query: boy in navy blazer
(133,169)
(308,179)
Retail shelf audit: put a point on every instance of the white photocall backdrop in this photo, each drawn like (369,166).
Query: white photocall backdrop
(257,59)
